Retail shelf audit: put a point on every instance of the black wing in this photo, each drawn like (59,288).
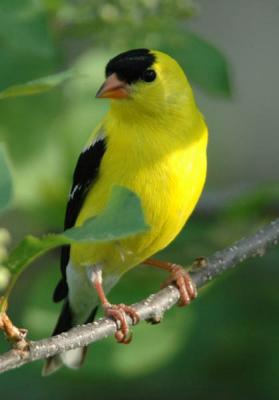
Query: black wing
(85,175)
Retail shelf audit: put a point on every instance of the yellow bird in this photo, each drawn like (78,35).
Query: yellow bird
(152,141)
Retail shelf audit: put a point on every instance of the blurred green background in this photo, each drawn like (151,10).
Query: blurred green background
(226,345)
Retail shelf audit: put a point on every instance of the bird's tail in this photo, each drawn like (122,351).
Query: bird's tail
(71,358)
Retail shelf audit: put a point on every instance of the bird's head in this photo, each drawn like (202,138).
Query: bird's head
(145,80)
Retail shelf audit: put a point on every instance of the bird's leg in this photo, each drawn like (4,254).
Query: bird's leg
(116,311)
(180,277)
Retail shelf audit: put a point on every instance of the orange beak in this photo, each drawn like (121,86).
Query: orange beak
(113,88)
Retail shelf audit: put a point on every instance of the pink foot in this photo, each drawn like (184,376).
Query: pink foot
(119,312)
(183,281)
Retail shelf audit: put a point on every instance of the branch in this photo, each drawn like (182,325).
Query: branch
(151,309)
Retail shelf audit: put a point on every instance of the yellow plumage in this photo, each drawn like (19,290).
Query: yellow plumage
(152,141)
(156,148)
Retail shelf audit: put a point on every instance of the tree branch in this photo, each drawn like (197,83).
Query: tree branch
(153,307)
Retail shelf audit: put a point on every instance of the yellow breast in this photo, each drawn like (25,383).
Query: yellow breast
(166,171)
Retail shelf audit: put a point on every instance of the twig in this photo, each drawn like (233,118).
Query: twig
(14,335)
(152,308)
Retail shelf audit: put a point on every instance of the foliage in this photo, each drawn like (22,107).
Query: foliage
(37,86)
(57,50)
(121,218)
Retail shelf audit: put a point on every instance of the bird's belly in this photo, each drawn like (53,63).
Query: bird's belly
(178,186)
(168,191)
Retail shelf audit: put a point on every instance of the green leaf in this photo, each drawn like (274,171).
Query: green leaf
(203,63)
(31,248)
(6,188)
(206,65)
(37,86)
(121,218)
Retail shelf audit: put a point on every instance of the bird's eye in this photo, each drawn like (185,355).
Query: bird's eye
(149,75)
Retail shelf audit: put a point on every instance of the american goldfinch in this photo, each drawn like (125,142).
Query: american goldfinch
(152,141)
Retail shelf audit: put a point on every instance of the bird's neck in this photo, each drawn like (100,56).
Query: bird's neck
(153,134)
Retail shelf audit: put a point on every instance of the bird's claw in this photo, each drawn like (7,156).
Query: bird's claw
(119,312)
(184,283)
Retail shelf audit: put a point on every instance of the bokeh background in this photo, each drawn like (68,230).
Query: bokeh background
(226,345)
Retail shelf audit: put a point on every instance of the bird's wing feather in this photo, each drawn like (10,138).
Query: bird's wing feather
(85,174)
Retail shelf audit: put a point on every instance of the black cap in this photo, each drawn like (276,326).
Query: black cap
(130,65)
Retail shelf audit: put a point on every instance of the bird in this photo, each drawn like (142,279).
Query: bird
(152,141)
